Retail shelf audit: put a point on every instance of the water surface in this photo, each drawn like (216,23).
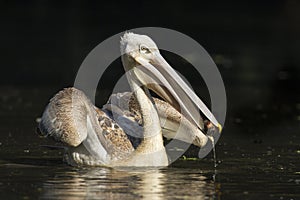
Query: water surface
(254,166)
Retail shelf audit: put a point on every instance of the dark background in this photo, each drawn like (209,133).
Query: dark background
(255,44)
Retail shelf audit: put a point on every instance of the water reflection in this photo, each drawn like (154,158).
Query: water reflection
(104,183)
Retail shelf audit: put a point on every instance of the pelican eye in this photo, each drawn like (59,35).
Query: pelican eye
(144,49)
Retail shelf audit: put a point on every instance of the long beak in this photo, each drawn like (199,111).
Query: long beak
(173,89)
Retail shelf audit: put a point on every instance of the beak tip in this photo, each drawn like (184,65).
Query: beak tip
(220,128)
(213,127)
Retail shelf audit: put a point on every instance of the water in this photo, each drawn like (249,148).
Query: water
(214,150)
(247,166)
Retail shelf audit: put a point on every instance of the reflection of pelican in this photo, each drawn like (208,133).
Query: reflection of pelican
(105,183)
(104,137)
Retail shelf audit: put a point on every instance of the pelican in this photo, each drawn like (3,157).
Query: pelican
(129,129)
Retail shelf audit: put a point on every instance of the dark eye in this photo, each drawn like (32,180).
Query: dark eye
(144,49)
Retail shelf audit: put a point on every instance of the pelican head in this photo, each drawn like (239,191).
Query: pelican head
(141,56)
(135,47)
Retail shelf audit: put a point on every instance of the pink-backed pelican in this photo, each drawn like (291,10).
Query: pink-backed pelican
(129,129)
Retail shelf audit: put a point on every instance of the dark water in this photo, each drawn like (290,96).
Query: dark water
(250,166)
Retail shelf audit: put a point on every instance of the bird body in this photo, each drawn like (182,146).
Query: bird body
(129,129)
